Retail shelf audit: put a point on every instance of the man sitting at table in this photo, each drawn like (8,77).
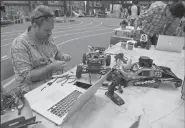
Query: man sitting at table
(34,55)
(159,16)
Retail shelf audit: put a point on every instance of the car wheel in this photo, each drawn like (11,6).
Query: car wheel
(178,84)
(108,60)
(148,47)
(109,76)
(84,59)
(135,45)
(79,71)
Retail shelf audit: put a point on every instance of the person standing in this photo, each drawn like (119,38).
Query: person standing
(158,18)
(135,11)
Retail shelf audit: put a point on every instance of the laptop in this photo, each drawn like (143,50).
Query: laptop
(59,103)
(170,43)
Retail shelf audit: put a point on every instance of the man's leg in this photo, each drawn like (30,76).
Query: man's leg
(149,40)
(154,40)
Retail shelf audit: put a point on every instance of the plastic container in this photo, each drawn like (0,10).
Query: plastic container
(124,45)
(130,46)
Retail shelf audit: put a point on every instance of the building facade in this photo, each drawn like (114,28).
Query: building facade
(25,7)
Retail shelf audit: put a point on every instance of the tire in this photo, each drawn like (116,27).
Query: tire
(178,84)
(79,71)
(84,59)
(109,77)
(108,60)
(148,47)
(135,45)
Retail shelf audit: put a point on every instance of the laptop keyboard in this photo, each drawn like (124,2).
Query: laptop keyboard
(64,105)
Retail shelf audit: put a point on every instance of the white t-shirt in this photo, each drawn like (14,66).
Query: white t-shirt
(134,12)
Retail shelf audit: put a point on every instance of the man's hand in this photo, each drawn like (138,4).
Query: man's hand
(58,65)
(66,57)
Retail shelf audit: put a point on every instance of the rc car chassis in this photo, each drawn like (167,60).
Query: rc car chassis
(146,73)
(93,61)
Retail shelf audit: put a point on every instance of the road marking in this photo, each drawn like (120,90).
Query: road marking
(61,35)
(79,29)
(84,37)
(53,32)
(75,39)
(79,33)
(55,29)
(58,28)
(81,22)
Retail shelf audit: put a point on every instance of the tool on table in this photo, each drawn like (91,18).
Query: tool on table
(111,94)
(49,83)
(66,78)
(20,122)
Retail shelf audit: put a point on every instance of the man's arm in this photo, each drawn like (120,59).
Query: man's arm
(23,66)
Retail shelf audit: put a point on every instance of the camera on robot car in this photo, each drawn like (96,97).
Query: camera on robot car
(94,62)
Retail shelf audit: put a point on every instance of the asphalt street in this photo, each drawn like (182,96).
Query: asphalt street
(71,38)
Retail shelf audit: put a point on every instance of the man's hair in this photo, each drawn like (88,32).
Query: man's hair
(177,9)
(40,14)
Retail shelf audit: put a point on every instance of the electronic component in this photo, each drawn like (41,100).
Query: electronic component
(20,122)
(94,62)
(9,101)
(148,74)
